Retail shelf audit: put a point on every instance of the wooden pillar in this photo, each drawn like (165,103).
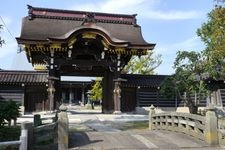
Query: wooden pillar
(58,90)
(63,97)
(107,96)
(117,97)
(137,96)
(71,95)
(22,107)
(51,81)
(54,94)
(51,92)
(82,96)
(54,87)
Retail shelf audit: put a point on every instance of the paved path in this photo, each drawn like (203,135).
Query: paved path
(96,131)
(138,139)
(101,132)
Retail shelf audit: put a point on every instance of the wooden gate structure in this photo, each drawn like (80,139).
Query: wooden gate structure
(79,43)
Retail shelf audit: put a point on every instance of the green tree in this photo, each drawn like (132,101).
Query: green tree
(2,114)
(184,83)
(96,90)
(1,40)
(212,33)
(9,110)
(168,88)
(209,63)
(143,65)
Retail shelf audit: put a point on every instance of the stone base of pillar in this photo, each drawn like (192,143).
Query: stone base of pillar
(88,106)
(117,112)
(106,111)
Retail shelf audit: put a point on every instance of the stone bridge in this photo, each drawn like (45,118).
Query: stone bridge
(166,131)
(100,131)
(136,140)
(209,128)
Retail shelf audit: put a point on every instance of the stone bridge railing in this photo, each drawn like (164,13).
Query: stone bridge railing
(40,135)
(202,127)
(52,135)
(20,144)
(221,131)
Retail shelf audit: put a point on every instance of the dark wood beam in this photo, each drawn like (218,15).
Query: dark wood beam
(66,62)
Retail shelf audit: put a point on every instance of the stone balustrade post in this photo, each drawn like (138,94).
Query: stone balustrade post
(211,132)
(63,131)
(26,137)
(151,113)
(37,120)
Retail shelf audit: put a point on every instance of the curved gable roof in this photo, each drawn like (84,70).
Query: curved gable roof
(43,24)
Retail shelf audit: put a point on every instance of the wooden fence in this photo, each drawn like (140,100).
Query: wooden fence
(44,133)
(22,143)
(53,135)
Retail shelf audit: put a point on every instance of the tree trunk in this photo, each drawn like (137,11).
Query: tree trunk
(14,122)
(193,109)
(9,123)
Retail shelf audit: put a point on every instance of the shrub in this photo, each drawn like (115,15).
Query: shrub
(9,110)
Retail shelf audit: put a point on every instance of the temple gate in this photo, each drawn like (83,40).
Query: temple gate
(78,43)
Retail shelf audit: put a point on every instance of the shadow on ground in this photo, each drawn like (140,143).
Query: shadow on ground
(78,139)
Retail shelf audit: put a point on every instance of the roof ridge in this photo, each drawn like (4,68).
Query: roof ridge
(155,75)
(22,71)
(39,12)
(79,11)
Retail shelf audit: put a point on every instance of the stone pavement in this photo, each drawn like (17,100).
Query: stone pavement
(89,129)
(97,131)
(78,114)
(135,140)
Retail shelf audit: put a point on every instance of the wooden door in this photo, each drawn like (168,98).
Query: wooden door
(128,99)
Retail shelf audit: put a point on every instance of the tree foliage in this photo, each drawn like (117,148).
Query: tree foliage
(209,63)
(144,65)
(212,33)
(184,83)
(168,88)
(9,110)
(1,40)
(96,90)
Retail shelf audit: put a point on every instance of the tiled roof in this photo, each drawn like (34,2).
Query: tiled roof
(19,77)
(34,77)
(37,12)
(135,80)
(43,24)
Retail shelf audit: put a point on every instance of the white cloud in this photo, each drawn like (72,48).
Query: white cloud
(109,6)
(189,44)
(173,15)
(144,8)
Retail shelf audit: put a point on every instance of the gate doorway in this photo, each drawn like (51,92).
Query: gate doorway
(78,43)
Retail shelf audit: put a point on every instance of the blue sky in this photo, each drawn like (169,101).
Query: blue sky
(171,24)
